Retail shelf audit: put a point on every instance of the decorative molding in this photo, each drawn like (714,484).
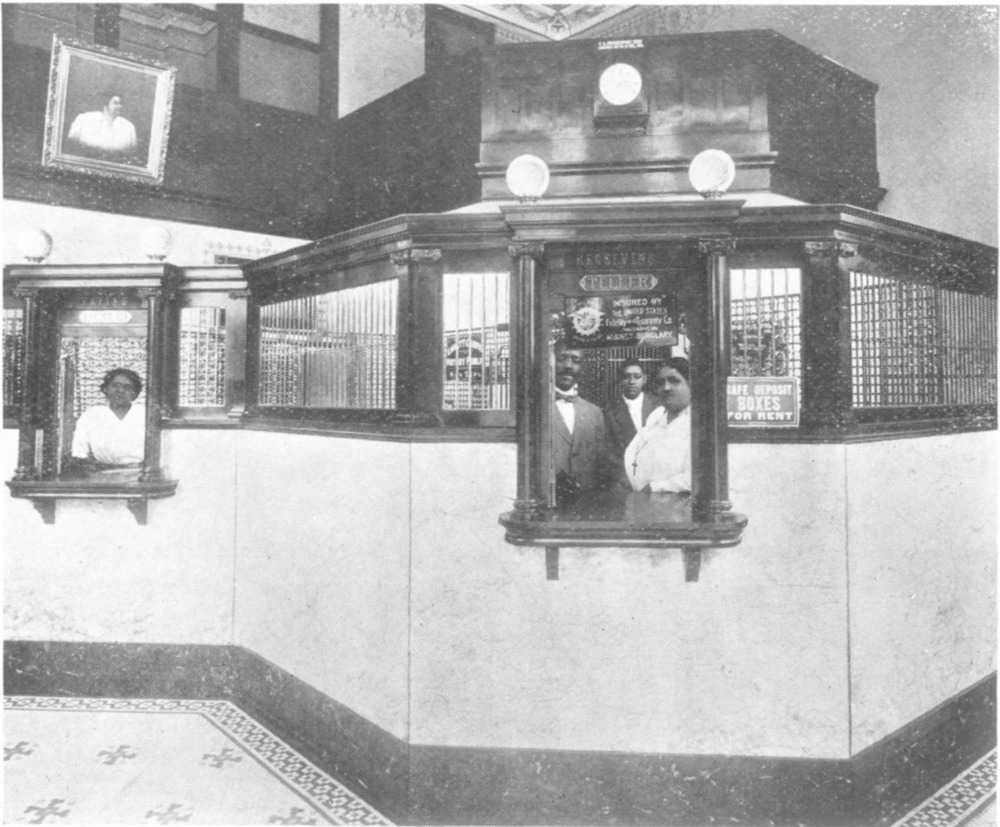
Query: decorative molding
(534,249)
(549,22)
(716,246)
(402,259)
(815,249)
(406,18)
(831,247)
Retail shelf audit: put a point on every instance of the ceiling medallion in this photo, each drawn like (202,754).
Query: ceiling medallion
(553,21)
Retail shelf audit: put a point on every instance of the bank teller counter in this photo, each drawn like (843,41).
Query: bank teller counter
(180,330)
(802,324)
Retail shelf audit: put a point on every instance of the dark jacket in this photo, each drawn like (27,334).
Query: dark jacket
(582,456)
(619,427)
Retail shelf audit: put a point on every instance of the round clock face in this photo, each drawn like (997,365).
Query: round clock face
(620,84)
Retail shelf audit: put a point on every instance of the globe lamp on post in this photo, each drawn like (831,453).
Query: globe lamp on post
(711,173)
(527,177)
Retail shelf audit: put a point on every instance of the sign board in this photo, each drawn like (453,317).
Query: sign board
(762,402)
(623,320)
(617,282)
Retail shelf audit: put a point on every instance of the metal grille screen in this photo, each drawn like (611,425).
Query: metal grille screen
(915,344)
(765,322)
(202,357)
(336,350)
(13,356)
(476,310)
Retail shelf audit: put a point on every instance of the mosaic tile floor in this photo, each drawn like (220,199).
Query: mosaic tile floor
(155,761)
(969,800)
(152,761)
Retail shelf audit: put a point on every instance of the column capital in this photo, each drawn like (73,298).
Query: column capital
(26,292)
(147,293)
(830,248)
(535,249)
(716,246)
(401,259)
(243,293)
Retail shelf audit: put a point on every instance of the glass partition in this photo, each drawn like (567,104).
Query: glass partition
(476,345)
(13,360)
(202,358)
(334,350)
(917,344)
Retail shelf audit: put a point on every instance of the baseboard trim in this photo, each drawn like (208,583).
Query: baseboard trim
(421,784)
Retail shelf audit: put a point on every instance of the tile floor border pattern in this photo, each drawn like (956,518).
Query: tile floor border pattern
(289,766)
(959,799)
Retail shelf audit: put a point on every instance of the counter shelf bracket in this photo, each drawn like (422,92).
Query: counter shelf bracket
(139,509)
(552,562)
(692,563)
(47,508)
(44,494)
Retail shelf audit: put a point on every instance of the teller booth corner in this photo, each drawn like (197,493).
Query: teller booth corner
(95,343)
(597,298)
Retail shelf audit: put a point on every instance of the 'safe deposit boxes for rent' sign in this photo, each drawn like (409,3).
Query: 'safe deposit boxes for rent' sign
(762,402)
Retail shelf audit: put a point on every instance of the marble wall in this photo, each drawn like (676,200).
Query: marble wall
(97,575)
(323,566)
(922,541)
(620,653)
(861,597)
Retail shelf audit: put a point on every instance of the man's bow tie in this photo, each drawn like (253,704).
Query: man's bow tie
(566,397)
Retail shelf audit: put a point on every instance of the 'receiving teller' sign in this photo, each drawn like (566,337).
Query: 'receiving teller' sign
(762,402)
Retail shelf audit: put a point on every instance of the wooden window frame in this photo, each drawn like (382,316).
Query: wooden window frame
(45,290)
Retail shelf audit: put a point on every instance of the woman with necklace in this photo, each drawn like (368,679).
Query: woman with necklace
(658,459)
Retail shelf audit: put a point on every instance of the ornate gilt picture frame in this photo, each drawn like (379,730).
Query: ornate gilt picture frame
(108,113)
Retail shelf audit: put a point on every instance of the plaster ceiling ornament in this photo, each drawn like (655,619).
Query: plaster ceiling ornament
(553,22)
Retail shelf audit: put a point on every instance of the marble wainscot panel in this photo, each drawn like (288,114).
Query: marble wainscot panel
(620,653)
(922,567)
(98,575)
(322,566)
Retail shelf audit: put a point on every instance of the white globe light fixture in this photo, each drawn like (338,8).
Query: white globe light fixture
(712,172)
(527,177)
(620,84)
(35,244)
(155,242)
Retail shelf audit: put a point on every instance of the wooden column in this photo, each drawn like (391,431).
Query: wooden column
(419,372)
(709,333)
(155,345)
(26,463)
(826,337)
(530,378)
(237,354)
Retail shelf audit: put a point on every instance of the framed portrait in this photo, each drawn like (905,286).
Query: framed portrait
(108,113)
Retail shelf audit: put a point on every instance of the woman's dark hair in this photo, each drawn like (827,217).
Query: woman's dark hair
(131,375)
(681,365)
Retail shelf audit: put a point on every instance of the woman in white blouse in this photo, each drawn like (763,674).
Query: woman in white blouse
(658,458)
(113,435)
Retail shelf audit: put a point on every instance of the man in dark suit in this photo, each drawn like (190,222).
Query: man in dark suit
(628,413)
(579,449)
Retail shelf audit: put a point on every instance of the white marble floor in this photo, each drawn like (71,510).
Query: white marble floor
(131,761)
